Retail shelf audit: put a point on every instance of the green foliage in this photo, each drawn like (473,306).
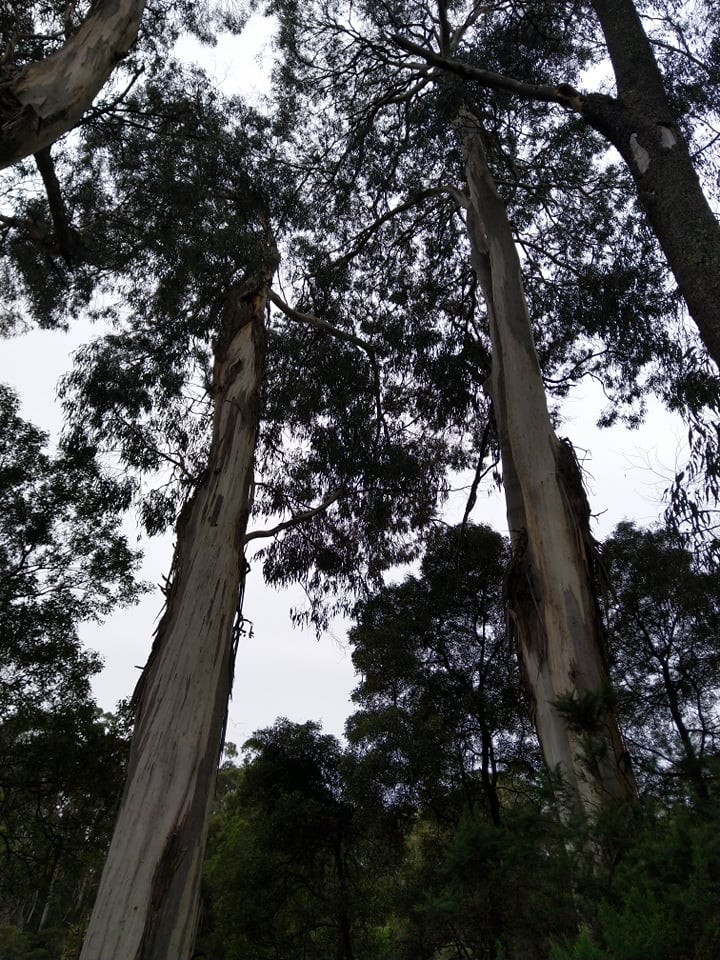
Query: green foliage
(441,724)
(17,944)
(663,621)
(586,711)
(62,773)
(660,899)
(177,196)
(596,284)
(63,560)
(582,949)
(50,272)
(290,870)
(485,891)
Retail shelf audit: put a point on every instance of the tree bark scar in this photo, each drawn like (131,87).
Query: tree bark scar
(240,308)
(217,507)
(571,480)
(521,600)
(162,880)
(167,865)
(137,698)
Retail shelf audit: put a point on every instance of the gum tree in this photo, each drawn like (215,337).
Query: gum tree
(642,121)
(552,583)
(179,205)
(416,145)
(46,88)
(139,405)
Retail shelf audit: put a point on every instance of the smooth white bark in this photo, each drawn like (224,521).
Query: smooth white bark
(147,903)
(551,589)
(44,100)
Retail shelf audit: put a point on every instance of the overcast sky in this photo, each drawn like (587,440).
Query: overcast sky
(282,671)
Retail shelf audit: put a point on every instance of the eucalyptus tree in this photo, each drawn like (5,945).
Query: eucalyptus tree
(649,120)
(180,200)
(53,261)
(662,121)
(662,624)
(199,312)
(203,316)
(387,169)
(55,60)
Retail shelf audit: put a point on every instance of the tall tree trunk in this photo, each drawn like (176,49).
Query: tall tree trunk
(641,124)
(49,894)
(550,588)
(147,904)
(41,101)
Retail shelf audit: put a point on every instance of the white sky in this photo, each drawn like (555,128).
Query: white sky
(282,671)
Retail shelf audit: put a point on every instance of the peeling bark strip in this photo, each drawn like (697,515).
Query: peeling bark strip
(550,585)
(44,100)
(147,903)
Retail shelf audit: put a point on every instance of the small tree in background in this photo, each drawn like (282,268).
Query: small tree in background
(663,625)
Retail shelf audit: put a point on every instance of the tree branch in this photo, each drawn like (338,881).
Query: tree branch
(444,27)
(41,101)
(297,519)
(320,324)
(341,335)
(413,200)
(564,95)
(654,42)
(64,235)
(479,474)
